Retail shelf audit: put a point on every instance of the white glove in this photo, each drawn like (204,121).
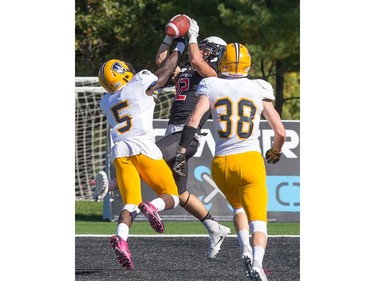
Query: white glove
(193,28)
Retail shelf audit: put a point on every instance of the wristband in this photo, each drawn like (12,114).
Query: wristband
(187,135)
(193,39)
(168,40)
(180,47)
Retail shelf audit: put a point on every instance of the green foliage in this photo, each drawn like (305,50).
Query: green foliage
(269,28)
(133,30)
(291,103)
(108,29)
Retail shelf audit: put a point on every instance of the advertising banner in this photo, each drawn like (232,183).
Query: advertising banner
(283,178)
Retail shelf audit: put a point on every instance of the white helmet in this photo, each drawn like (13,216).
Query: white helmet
(213,45)
(215,40)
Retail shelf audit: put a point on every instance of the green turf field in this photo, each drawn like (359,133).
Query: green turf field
(88,220)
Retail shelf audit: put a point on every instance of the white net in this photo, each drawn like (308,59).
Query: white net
(90,135)
(91,131)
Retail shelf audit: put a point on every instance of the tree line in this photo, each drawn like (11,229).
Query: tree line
(133,30)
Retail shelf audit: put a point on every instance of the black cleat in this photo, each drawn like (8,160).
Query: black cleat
(249,272)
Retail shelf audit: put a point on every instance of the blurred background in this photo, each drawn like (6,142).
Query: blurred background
(133,31)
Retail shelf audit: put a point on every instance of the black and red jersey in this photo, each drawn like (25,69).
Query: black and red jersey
(185,99)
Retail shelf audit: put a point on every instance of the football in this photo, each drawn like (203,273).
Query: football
(177,26)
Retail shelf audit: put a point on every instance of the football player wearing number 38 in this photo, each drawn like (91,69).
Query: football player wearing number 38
(238,168)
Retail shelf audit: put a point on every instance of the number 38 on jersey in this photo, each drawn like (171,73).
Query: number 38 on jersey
(235,117)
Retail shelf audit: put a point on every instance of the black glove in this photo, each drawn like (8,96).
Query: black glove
(272,156)
(179,164)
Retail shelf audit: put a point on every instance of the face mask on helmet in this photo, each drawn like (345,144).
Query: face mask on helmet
(114,74)
(234,61)
(210,48)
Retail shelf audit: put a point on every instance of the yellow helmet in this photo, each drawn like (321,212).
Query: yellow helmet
(114,74)
(234,60)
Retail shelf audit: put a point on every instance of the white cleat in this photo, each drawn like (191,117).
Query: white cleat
(216,239)
(256,267)
(101,188)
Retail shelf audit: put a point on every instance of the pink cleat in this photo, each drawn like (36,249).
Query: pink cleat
(121,248)
(151,213)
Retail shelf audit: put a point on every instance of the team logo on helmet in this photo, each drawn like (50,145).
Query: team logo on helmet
(118,68)
(114,74)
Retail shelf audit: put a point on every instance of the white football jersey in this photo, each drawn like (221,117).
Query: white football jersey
(236,107)
(130,113)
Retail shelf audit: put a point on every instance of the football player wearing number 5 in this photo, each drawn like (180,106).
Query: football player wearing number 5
(238,168)
(129,108)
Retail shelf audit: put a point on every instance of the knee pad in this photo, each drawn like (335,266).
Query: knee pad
(260,226)
(237,211)
(176,200)
(132,209)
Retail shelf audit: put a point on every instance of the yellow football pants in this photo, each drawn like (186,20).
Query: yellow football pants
(242,179)
(155,173)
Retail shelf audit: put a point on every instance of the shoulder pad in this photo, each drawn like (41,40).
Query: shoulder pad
(147,78)
(264,84)
(146,72)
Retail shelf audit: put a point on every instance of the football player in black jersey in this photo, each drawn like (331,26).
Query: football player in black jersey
(203,59)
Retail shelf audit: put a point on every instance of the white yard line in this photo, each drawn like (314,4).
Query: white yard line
(174,235)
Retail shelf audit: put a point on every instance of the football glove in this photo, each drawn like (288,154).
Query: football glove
(193,28)
(272,156)
(179,164)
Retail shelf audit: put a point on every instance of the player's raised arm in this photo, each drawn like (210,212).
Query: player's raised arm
(169,66)
(198,54)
